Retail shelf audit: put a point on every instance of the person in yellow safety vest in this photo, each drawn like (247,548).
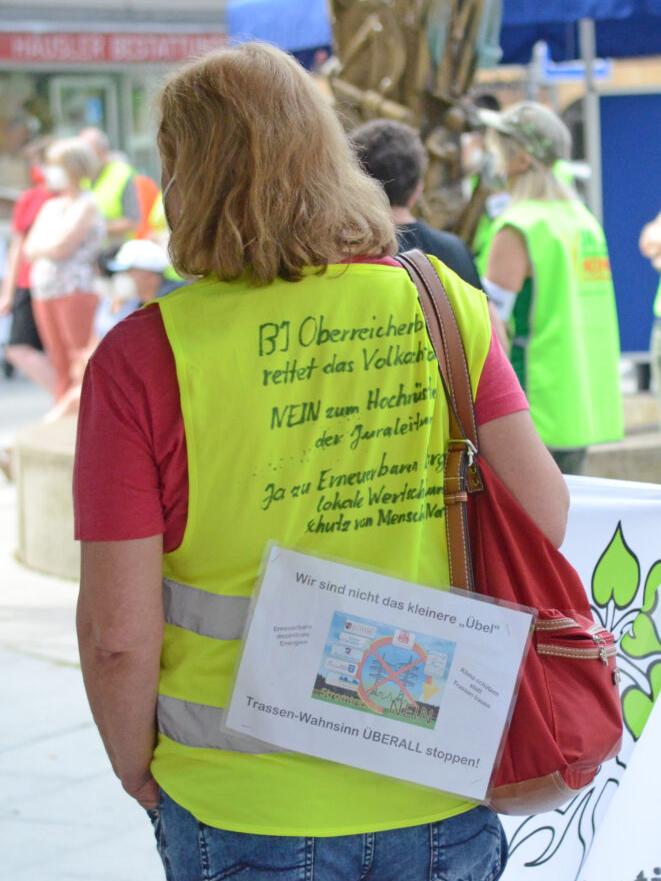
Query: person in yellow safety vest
(114,189)
(148,192)
(157,222)
(548,275)
(160,233)
(650,247)
(188,465)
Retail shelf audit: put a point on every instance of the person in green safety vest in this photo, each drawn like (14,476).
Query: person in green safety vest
(650,247)
(477,162)
(114,189)
(548,276)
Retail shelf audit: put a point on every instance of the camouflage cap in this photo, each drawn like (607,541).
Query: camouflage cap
(536,128)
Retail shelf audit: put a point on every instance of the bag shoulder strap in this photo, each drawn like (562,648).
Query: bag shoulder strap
(446,340)
(461,471)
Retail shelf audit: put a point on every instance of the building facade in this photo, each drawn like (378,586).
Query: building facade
(65,66)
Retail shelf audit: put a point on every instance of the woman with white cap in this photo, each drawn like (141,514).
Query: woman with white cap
(548,276)
(137,278)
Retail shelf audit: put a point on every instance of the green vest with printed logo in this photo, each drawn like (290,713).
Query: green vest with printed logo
(314,417)
(565,346)
(109,187)
(496,203)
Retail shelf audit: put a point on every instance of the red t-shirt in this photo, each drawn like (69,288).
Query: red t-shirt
(25,213)
(131,471)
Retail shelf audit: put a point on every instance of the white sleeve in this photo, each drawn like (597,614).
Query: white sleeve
(502,299)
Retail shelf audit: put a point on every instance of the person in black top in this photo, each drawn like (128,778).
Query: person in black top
(393,154)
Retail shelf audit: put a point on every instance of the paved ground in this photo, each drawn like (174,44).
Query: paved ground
(63,816)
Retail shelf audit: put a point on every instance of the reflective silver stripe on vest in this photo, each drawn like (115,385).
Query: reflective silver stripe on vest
(219,617)
(203,726)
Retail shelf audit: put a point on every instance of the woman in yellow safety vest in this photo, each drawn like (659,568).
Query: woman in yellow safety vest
(277,397)
(548,276)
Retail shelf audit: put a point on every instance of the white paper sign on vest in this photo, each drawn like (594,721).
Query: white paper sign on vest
(614,541)
(372,671)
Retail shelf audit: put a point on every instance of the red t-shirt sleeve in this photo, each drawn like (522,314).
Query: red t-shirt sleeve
(130,475)
(116,485)
(499,392)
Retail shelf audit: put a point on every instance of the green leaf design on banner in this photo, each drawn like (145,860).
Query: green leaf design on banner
(643,640)
(652,585)
(617,573)
(637,706)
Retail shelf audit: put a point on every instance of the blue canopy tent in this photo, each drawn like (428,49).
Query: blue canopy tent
(582,29)
(299,26)
(623,28)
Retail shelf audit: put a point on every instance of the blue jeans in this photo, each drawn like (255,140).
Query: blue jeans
(469,847)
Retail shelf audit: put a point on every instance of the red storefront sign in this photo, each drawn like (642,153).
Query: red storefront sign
(84,48)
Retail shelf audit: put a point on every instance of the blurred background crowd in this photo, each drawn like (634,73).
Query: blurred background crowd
(86,249)
(83,233)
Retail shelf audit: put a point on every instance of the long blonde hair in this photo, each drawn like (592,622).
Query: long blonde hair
(265,176)
(75,156)
(537,182)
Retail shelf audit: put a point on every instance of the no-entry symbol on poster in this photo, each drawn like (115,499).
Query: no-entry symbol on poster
(394,673)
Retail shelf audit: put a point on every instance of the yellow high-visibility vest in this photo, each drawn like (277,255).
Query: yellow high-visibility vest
(109,187)
(314,416)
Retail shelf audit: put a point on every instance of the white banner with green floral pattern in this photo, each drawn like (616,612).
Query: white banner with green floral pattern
(627,845)
(614,541)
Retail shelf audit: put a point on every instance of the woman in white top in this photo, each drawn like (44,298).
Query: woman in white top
(63,245)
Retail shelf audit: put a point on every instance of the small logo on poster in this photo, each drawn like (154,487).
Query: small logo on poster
(360,628)
(404,639)
(339,650)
